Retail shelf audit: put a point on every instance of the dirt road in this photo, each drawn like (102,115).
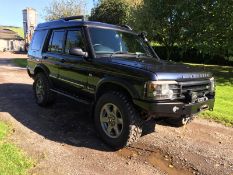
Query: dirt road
(62,139)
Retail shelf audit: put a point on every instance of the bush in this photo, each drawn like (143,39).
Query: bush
(193,56)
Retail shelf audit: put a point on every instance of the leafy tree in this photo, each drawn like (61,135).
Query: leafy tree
(165,21)
(111,11)
(205,25)
(215,29)
(63,8)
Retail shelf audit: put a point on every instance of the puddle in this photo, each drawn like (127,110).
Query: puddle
(155,158)
(165,164)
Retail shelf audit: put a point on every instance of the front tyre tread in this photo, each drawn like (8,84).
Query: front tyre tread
(133,121)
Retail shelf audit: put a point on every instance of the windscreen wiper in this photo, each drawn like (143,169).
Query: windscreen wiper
(140,54)
(118,52)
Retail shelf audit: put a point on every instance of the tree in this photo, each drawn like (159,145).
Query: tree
(111,11)
(215,30)
(63,8)
(165,21)
(204,25)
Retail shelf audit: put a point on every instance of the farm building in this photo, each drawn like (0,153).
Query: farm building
(10,41)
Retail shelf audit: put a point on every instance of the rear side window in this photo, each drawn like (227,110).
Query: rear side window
(38,40)
(74,39)
(56,42)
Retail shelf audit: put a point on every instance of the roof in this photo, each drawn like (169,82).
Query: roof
(61,23)
(8,34)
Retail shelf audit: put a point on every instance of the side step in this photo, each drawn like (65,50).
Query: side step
(72,97)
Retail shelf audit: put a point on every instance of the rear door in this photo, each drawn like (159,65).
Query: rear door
(53,55)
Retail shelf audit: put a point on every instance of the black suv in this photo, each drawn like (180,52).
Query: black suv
(116,72)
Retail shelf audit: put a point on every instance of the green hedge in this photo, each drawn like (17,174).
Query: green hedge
(192,56)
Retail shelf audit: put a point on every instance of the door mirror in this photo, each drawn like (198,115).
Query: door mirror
(78,52)
(143,35)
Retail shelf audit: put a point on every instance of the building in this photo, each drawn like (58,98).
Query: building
(10,41)
(29,23)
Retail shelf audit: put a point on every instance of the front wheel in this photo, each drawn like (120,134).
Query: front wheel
(116,120)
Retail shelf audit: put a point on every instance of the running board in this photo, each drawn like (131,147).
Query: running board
(72,97)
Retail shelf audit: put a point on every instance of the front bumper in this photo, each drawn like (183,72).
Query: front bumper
(174,109)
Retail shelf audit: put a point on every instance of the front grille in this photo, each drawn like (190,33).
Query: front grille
(196,88)
(199,87)
(182,89)
(176,90)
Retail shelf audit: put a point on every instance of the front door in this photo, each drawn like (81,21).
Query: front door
(72,69)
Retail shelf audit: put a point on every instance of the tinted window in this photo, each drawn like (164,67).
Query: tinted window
(56,42)
(111,41)
(74,39)
(38,39)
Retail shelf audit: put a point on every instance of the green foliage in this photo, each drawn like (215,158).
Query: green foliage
(64,8)
(111,11)
(160,20)
(204,25)
(12,160)
(223,111)
(21,62)
(4,129)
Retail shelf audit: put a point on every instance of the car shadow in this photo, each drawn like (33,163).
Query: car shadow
(65,122)
(5,62)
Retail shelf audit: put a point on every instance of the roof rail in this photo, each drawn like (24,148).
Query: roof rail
(126,26)
(73,18)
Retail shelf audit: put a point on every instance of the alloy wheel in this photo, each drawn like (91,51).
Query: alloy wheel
(111,120)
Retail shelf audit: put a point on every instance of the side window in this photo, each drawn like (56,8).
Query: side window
(56,42)
(38,39)
(74,39)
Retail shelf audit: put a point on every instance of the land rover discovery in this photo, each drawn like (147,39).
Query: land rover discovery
(115,71)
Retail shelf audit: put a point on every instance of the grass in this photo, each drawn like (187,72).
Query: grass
(21,62)
(18,30)
(223,110)
(12,159)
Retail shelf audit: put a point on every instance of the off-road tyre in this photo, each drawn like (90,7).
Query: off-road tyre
(47,97)
(132,123)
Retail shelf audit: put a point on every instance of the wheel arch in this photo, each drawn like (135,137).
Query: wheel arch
(111,84)
(41,68)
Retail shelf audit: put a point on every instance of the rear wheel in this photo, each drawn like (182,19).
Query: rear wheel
(116,120)
(42,86)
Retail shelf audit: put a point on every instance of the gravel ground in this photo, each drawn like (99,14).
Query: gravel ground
(62,140)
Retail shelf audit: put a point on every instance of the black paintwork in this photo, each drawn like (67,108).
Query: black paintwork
(83,77)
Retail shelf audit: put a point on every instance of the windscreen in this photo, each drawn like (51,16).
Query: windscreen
(110,41)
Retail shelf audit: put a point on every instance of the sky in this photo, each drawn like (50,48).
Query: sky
(11,10)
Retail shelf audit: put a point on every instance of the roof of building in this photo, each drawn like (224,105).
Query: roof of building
(70,22)
(8,34)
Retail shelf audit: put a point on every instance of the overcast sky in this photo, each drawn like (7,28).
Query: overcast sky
(11,10)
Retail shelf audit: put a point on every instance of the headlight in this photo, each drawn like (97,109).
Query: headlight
(160,90)
(212,85)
